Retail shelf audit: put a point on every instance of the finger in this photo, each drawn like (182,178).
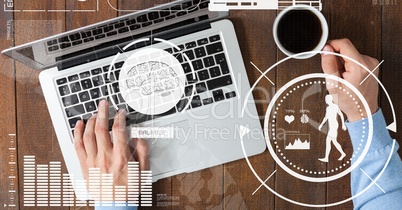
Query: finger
(330,63)
(346,48)
(102,126)
(119,132)
(78,143)
(89,138)
(141,154)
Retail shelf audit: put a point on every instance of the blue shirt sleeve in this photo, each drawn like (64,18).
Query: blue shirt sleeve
(386,193)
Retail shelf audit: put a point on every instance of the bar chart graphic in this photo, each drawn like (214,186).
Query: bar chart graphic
(44,185)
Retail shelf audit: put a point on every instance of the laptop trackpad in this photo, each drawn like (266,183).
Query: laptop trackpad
(170,154)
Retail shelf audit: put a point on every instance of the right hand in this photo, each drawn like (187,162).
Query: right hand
(352,73)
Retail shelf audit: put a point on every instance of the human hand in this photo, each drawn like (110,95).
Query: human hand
(95,149)
(352,73)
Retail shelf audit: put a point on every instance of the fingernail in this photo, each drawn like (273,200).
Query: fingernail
(102,102)
(78,123)
(326,49)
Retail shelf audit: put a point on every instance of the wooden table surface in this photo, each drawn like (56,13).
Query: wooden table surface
(374,26)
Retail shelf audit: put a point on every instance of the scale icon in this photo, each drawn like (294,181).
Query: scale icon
(226,5)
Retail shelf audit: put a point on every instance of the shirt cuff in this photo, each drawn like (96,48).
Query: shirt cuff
(381,137)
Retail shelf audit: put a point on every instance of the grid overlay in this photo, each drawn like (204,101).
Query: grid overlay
(44,185)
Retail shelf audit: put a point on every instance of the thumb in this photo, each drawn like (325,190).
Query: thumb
(330,63)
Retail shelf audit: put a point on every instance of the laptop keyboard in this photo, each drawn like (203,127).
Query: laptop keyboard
(80,93)
(127,25)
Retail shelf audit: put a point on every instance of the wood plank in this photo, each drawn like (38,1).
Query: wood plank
(35,131)
(8,118)
(256,46)
(392,55)
(361,23)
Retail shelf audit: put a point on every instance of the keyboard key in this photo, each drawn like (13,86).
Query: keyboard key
(75,87)
(97,80)
(61,81)
(65,45)
(64,39)
(170,17)
(142,18)
(203,5)
(122,106)
(219,82)
(190,45)
(100,36)
(221,60)
(175,8)
(214,38)
(196,102)
(191,79)
(73,78)
(96,71)
(202,41)
(188,90)
(86,34)
(214,71)
(181,13)
(109,78)
(74,37)
(159,20)
(53,48)
(197,65)
(52,42)
(164,13)
(111,33)
(77,42)
(75,110)
(123,30)
(207,101)
(203,75)
(146,24)
(95,93)
(121,99)
(181,47)
(88,39)
(115,99)
(105,90)
(218,95)
(70,100)
(201,87)
(97,31)
(86,84)
(214,48)
(107,28)
(230,94)
(200,52)
(90,106)
(73,121)
(190,54)
(117,74)
(119,25)
(115,87)
(179,57)
(136,26)
(84,96)
(186,68)
(153,15)
(130,22)
(85,74)
(86,117)
(106,68)
(118,65)
(182,104)
(209,61)
(169,50)
(64,90)
(186,5)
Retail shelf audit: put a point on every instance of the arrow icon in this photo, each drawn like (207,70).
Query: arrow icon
(243,131)
(392,127)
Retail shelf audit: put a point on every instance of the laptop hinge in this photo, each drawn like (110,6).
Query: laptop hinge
(111,48)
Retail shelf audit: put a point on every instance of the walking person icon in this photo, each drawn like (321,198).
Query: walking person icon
(331,116)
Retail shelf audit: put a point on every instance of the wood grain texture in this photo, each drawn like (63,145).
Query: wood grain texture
(34,128)
(375,30)
(8,118)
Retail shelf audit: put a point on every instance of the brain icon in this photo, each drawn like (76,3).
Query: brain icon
(152,77)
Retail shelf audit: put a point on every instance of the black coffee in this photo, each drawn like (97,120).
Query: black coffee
(299,31)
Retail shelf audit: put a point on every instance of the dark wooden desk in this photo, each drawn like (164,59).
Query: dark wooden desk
(375,27)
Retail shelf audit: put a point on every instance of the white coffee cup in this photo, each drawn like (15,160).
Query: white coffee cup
(322,40)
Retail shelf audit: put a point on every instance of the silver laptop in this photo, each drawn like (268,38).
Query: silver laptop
(80,67)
